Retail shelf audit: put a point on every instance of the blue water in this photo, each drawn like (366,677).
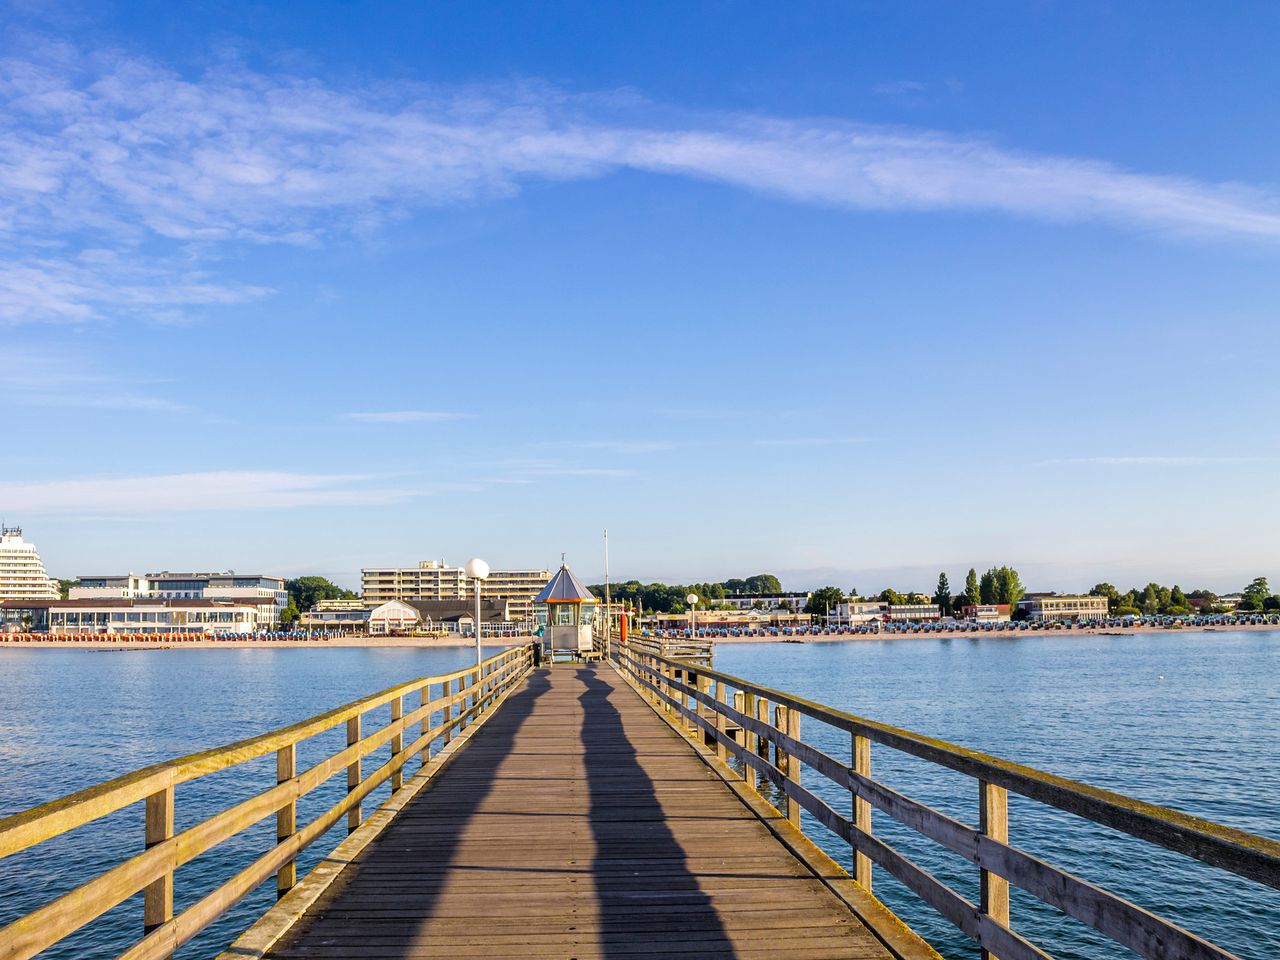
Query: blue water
(73,718)
(1188,720)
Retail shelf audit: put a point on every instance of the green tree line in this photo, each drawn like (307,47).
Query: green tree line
(670,598)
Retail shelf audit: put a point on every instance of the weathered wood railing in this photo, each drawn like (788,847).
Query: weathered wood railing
(460,698)
(770,748)
(693,649)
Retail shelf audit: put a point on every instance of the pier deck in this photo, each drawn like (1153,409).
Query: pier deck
(577,823)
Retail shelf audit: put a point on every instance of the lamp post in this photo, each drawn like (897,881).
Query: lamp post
(478,571)
(692,600)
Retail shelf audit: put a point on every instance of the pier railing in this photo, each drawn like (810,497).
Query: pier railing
(761,729)
(459,698)
(692,649)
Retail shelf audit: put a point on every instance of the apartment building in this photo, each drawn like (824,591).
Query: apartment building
(266,593)
(795,602)
(436,580)
(1054,607)
(22,573)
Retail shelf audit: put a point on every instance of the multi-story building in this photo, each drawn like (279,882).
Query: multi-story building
(914,612)
(985,611)
(268,594)
(857,611)
(795,602)
(22,574)
(435,580)
(1053,607)
(110,615)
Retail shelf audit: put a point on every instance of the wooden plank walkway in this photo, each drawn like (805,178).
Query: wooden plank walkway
(577,824)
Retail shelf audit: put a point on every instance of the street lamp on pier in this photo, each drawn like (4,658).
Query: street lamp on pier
(478,571)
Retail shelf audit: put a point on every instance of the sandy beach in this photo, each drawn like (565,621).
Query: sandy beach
(143,643)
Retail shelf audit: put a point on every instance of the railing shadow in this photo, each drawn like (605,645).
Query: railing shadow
(415,852)
(644,890)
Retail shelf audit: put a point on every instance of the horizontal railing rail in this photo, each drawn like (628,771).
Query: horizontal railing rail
(463,697)
(716,705)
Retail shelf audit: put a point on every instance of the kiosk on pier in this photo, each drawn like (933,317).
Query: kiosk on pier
(566,612)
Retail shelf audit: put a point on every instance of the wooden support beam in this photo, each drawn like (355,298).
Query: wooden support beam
(862,810)
(286,817)
(993,821)
(397,743)
(722,751)
(355,814)
(157,896)
(792,730)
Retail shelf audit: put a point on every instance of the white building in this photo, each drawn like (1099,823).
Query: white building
(436,580)
(22,574)
(858,611)
(914,612)
(795,602)
(268,594)
(111,615)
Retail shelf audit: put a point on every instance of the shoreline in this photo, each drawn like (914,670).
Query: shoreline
(1008,634)
(446,643)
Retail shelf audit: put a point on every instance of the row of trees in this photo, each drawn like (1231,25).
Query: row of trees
(1155,598)
(670,598)
(306,592)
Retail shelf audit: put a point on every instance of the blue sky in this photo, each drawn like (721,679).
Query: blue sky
(852,293)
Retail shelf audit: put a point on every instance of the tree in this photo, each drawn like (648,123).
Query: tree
(1255,594)
(823,600)
(289,615)
(987,587)
(971,591)
(1150,600)
(890,596)
(942,595)
(64,587)
(763,583)
(306,592)
(1008,586)
(1108,591)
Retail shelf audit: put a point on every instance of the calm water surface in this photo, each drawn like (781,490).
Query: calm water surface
(1188,720)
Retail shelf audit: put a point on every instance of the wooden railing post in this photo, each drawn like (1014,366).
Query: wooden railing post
(862,810)
(286,817)
(722,724)
(750,742)
(157,896)
(762,714)
(424,699)
(397,743)
(354,815)
(993,820)
(704,687)
(793,764)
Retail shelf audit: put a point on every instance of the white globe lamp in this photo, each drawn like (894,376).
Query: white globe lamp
(692,600)
(478,571)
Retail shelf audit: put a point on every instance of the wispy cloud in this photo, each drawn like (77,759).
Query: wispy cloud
(523,469)
(1169,461)
(101,150)
(217,490)
(405,416)
(811,441)
(41,378)
(620,447)
(899,87)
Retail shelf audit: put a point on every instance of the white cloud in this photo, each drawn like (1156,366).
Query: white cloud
(102,149)
(812,442)
(1170,461)
(404,416)
(899,87)
(194,492)
(41,378)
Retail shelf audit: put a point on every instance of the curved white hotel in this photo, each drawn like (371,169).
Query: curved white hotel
(22,574)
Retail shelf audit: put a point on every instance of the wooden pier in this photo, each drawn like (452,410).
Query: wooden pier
(608,810)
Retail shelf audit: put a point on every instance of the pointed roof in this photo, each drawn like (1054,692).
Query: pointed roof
(564,587)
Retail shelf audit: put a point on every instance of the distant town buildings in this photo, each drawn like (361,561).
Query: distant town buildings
(390,617)
(986,612)
(914,612)
(1054,607)
(110,615)
(22,574)
(435,580)
(265,593)
(795,602)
